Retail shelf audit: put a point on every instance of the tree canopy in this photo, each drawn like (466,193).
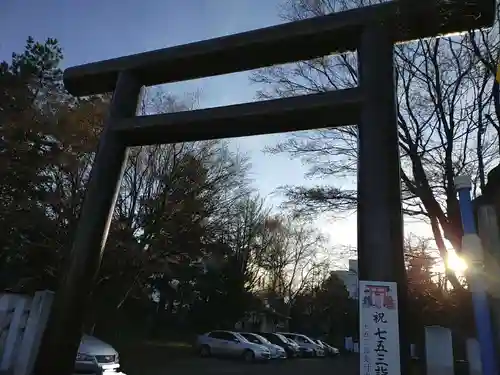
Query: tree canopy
(448,120)
(191,243)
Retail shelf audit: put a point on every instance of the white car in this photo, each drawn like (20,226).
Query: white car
(307,346)
(329,350)
(277,352)
(96,356)
(231,344)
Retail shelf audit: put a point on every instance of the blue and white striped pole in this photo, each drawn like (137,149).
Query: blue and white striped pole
(472,249)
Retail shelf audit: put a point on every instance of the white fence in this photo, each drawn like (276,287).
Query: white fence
(439,358)
(22,321)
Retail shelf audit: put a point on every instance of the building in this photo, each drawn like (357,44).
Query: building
(350,278)
(263,320)
(267,314)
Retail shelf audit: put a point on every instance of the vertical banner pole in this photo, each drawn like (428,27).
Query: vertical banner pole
(473,251)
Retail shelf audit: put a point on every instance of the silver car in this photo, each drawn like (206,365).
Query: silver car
(231,344)
(97,356)
(329,350)
(277,352)
(307,346)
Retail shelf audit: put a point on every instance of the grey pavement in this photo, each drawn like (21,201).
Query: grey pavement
(210,366)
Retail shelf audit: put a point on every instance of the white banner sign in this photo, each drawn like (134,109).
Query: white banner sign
(379,330)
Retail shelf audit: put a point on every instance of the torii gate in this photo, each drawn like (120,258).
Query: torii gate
(371,31)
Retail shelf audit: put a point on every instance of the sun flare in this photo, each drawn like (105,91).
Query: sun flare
(456,263)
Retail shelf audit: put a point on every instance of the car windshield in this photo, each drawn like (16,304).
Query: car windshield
(262,339)
(251,338)
(307,339)
(282,338)
(290,339)
(240,336)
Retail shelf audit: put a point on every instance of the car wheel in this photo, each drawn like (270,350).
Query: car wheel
(248,356)
(205,351)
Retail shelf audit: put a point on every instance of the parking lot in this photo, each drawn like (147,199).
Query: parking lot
(211,366)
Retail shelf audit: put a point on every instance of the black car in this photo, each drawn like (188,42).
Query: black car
(291,350)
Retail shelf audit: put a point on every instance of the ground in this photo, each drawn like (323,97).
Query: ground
(199,366)
(179,358)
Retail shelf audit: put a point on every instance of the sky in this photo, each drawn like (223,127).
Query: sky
(93,30)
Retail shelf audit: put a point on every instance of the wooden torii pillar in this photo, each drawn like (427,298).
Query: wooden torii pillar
(372,31)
